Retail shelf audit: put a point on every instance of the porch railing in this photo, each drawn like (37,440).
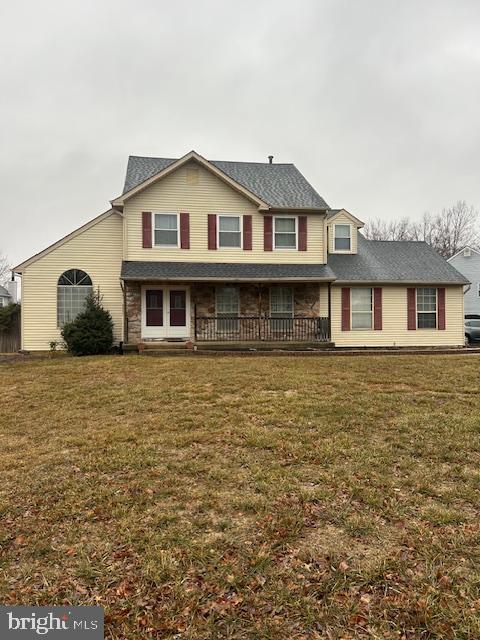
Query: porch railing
(266,328)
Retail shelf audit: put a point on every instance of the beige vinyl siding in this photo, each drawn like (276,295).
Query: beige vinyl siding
(342,218)
(173,194)
(98,251)
(395,332)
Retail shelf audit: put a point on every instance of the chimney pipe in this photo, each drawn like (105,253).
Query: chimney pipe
(270,159)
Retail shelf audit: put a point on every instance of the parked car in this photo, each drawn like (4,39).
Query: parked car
(472,331)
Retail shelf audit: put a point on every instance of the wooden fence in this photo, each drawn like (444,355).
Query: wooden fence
(10,339)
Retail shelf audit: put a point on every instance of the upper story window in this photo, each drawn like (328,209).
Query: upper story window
(73,288)
(229,231)
(361,308)
(342,237)
(426,308)
(285,232)
(165,229)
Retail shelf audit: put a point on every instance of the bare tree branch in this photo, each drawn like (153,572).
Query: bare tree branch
(4,269)
(447,231)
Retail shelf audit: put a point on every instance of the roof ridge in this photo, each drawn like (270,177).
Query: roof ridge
(277,164)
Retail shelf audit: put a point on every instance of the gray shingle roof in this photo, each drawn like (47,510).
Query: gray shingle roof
(139,270)
(279,185)
(389,261)
(4,293)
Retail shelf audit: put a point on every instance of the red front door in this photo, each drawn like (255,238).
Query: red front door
(154,307)
(178,308)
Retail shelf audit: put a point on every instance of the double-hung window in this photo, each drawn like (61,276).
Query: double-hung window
(229,231)
(342,238)
(361,308)
(166,229)
(426,308)
(227,308)
(285,232)
(281,309)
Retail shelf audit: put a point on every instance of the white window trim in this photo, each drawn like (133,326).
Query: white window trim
(230,215)
(370,328)
(165,246)
(223,287)
(289,217)
(286,286)
(435,328)
(342,224)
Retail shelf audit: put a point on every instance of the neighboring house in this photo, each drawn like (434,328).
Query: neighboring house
(5,297)
(202,250)
(467,262)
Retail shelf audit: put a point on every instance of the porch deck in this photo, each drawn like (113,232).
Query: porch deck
(258,329)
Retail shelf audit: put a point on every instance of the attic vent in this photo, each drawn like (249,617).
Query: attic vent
(466,252)
(192,175)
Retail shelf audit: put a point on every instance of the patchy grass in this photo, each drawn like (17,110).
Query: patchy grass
(253,498)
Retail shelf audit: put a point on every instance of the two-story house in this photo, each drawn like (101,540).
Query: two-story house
(198,250)
(467,262)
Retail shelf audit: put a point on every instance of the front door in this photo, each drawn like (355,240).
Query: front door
(165,312)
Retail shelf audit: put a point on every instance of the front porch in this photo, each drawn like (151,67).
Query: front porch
(245,313)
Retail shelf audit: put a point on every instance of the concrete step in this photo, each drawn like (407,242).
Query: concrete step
(263,346)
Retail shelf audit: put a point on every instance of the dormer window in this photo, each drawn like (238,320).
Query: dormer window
(343,237)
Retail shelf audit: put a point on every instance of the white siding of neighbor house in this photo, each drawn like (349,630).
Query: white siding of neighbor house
(341,218)
(470,268)
(175,193)
(98,252)
(394,322)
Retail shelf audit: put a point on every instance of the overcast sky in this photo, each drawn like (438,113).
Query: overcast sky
(377,102)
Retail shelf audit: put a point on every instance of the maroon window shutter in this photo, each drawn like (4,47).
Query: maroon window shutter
(267,233)
(441,308)
(411,309)
(147,230)
(302,233)
(345,309)
(247,233)
(185,230)
(212,231)
(377,309)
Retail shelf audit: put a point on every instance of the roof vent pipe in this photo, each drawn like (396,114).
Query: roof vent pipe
(270,159)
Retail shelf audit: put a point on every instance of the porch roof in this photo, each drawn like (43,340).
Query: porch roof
(220,271)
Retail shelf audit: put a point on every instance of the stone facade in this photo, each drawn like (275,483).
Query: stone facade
(254,301)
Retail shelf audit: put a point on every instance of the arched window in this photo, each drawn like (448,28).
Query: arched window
(73,287)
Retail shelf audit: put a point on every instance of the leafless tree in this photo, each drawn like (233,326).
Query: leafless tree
(4,269)
(447,231)
(378,229)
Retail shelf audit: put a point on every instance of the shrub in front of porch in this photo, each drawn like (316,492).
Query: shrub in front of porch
(91,333)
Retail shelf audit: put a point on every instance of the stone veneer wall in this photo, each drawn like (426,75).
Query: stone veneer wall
(254,301)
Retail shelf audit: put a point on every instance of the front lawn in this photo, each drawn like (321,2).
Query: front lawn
(256,498)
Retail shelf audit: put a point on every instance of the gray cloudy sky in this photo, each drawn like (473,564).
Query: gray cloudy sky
(376,101)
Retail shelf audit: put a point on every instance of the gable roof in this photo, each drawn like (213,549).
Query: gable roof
(4,293)
(70,236)
(277,185)
(333,213)
(467,246)
(394,261)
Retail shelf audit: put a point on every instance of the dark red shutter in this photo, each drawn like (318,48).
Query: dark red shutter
(345,309)
(302,233)
(377,309)
(267,233)
(247,233)
(212,231)
(185,230)
(147,230)
(441,308)
(411,309)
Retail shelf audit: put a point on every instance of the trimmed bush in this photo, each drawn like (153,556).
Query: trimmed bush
(91,332)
